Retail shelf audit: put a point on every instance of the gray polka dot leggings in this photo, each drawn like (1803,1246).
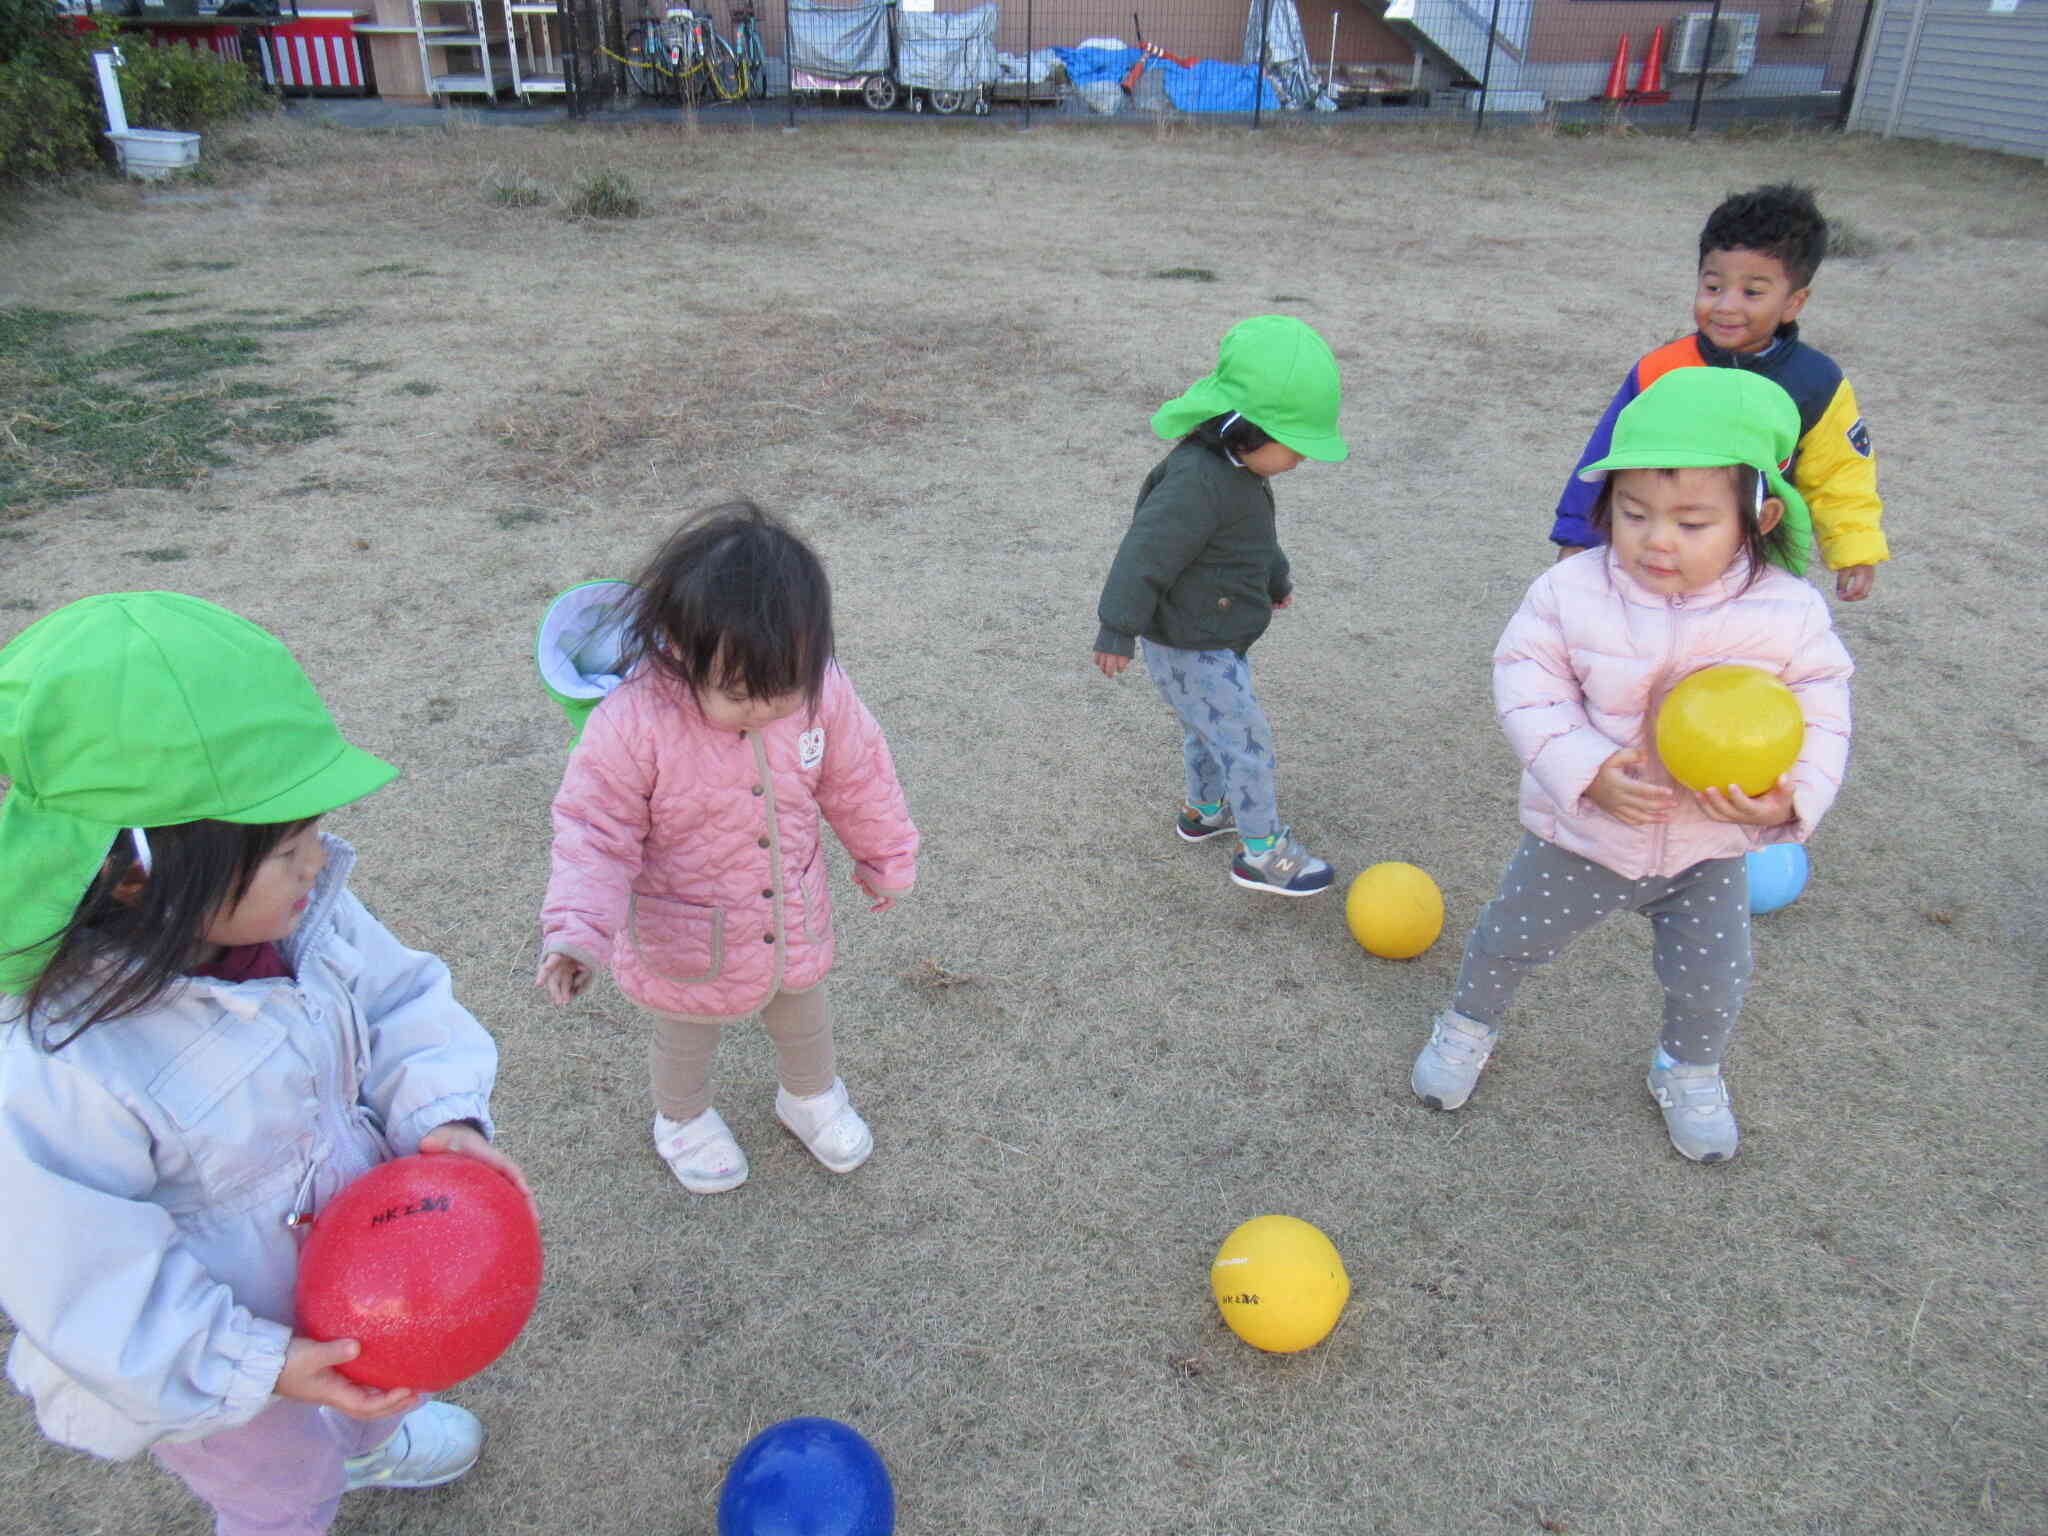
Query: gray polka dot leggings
(1548,897)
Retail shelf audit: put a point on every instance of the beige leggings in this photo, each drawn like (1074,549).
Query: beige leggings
(679,1051)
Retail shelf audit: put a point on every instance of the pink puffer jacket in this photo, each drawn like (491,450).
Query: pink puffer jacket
(687,857)
(1587,659)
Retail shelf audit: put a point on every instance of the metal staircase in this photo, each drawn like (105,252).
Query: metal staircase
(1452,34)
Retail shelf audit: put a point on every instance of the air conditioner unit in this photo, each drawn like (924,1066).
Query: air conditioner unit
(1734,49)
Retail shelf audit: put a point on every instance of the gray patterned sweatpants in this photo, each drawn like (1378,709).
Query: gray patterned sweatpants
(1548,897)
(1227,743)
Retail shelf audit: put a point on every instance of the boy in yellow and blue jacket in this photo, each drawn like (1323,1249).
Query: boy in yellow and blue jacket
(1758,254)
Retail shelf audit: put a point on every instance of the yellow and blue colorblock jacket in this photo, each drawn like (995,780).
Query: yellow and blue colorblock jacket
(1833,468)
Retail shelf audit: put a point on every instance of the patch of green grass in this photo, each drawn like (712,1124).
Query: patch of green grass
(1852,242)
(1289,298)
(607,195)
(20,605)
(363,367)
(179,353)
(517,191)
(523,517)
(418,387)
(195,266)
(1183,274)
(394,269)
(155,410)
(169,555)
(153,296)
(318,320)
(290,422)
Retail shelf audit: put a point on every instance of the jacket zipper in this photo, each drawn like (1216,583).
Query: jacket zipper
(1673,612)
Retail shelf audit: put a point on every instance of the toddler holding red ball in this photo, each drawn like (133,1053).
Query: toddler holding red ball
(204,1037)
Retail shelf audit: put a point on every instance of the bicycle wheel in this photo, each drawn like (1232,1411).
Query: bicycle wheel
(879,92)
(641,71)
(723,71)
(946,103)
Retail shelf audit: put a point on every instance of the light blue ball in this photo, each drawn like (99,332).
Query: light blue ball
(1777,874)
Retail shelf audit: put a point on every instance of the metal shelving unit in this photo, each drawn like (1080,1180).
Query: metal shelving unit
(534,30)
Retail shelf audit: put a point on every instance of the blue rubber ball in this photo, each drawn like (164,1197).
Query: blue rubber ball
(1777,874)
(807,1477)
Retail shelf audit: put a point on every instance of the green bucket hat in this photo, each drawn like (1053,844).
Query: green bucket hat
(147,709)
(1279,375)
(580,648)
(1696,418)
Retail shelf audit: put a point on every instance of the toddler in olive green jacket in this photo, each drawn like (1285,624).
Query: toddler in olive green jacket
(1200,573)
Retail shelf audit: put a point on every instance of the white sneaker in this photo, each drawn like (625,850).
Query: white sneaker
(436,1443)
(701,1154)
(1696,1112)
(829,1125)
(1450,1064)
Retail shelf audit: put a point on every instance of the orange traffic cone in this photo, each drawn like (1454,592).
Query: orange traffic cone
(1650,83)
(1617,77)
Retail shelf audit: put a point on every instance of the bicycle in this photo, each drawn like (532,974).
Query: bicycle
(753,53)
(683,54)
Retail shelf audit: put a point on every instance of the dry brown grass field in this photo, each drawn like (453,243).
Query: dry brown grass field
(1086,1056)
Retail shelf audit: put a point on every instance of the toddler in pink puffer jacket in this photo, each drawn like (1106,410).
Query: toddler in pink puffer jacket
(687,854)
(1692,506)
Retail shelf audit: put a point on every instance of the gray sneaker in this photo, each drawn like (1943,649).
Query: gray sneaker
(1696,1112)
(1285,869)
(436,1443)
(1450,1064)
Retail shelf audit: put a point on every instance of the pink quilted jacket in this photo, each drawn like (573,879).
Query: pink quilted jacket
(1584,663)
(687,857)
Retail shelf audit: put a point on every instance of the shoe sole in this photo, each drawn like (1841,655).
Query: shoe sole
(866,1152)
(1201,837)
(434,1482)
(1277,890)
(712,1186)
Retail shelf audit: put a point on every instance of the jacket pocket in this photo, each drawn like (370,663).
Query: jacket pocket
(236,1095)
(676,940)
(812,888)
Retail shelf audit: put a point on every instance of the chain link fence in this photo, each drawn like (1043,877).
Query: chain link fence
(1647,62)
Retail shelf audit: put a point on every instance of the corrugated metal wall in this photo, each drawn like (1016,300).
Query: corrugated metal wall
(1958,71)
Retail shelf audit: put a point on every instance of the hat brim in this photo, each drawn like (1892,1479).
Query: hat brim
(1324,450)
(1798,520)
(345,778)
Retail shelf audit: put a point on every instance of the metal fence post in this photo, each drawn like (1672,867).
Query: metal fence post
(1486,69)
(1699,89)
(1856,64)
(1027,65)
(789,65)
(1265,40)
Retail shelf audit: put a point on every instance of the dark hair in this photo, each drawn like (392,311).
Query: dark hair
(1228,433)
(1749,489)
(734,601)
(127,954)
(1781,221)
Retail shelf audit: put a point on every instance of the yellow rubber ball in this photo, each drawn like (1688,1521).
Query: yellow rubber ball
(1394,910)
(1730,725)
(1279,1283)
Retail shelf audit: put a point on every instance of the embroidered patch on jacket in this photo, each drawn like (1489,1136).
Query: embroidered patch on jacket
(1859,438)
(810,748)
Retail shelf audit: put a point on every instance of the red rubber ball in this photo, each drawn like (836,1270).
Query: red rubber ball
(432,1263)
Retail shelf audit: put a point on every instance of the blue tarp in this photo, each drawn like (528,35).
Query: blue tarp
(1213,85)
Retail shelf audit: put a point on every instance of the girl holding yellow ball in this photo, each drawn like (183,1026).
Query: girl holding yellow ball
(1704,544)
